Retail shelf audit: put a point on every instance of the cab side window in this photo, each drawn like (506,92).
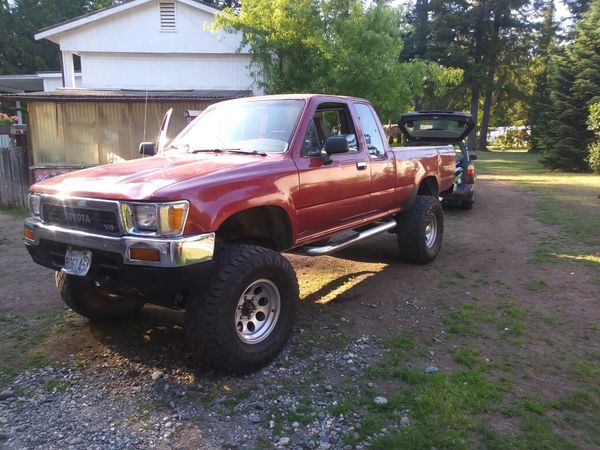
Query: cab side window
(371,130)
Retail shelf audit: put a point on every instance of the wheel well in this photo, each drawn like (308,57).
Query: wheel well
(267,226)
(429,186)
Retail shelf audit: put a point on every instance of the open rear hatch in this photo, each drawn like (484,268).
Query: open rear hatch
(447,127)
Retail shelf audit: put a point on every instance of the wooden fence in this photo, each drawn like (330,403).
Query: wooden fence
(14,176)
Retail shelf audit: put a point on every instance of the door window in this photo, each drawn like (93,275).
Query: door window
(371,130)
(311,146)
(330,119)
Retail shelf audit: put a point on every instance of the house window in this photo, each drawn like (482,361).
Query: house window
(167,16)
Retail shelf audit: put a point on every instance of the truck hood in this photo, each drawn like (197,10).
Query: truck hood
(141,178)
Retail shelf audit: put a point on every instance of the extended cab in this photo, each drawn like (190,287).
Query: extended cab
(201,224)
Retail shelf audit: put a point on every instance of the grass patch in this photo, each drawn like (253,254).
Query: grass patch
(21,340)
(16,211)
(442,406)
(462,320)
(467,357)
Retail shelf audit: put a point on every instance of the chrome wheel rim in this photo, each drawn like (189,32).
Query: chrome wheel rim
(431,229)
(257,311)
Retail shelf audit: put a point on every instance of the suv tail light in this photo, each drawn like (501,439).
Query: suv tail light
(470,178)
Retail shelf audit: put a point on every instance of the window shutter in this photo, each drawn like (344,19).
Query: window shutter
(167,16)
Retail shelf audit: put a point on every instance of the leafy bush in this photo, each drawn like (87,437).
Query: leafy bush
(594,148)
(520,138)
(594,157)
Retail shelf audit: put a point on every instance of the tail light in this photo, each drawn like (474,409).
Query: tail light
(470,178)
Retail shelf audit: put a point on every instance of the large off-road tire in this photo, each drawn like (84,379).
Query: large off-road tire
(420,230)
(243,319)
(91,300)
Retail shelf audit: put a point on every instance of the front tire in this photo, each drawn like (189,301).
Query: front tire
(88,298)
(420,230)
(245,316)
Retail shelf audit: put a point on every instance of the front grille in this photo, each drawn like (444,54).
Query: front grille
(69,214)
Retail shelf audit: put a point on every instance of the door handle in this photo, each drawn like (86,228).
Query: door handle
(361,165)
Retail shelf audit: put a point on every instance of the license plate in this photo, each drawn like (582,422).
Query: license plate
(77,262)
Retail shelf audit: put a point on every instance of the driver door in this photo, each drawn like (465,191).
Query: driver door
(334,195)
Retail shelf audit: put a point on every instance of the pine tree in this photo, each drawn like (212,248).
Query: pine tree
(574,86)
(541,103)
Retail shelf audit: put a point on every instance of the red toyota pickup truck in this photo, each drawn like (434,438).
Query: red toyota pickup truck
(201,225)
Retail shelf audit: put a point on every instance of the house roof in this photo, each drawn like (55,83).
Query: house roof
(68,25)
(123,95)
(17,83)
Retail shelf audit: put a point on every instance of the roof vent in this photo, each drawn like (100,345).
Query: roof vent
(167,16)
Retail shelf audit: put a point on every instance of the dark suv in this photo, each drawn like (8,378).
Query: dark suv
(446,127)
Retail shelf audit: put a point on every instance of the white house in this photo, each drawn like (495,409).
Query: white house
(154,45)
(138,59)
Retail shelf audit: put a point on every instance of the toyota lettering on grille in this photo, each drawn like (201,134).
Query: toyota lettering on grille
(77,218)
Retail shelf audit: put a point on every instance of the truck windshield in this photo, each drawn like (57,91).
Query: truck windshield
(248,126)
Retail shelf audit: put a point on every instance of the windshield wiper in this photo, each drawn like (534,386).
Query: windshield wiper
(229,150)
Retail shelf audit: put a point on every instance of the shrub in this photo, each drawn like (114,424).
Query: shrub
(594,157)
(514,138)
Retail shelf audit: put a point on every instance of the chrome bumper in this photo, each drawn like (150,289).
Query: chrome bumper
(174,252)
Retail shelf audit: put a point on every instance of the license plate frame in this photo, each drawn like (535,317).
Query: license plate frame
(77,262)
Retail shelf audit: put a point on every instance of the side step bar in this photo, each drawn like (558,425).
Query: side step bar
(335,246)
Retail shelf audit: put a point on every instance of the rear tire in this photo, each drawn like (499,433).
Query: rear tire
(467,204)
(87,298)
(244,317)
(420,230)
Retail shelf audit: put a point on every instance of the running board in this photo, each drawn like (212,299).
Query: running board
(334,247)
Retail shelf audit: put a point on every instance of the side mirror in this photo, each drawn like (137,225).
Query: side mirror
(473,157)
(336,144)
(147,148)
(333,146)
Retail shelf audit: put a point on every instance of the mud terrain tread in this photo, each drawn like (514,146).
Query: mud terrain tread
(410,231)
(209,321)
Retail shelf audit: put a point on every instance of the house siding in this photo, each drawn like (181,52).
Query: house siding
(166,71)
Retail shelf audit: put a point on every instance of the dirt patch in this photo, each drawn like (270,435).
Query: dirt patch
(25,287)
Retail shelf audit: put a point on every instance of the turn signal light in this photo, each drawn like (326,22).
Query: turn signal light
(144,254)
(176,217)
(28,234)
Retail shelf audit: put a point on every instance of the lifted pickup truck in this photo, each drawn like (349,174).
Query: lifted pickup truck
(201,224)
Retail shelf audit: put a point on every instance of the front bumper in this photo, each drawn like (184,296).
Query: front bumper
(174,252)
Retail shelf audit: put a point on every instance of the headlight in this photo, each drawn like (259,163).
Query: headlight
(145,217)
(35,202)
(164,219)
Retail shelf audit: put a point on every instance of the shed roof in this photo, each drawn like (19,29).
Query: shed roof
(124,95)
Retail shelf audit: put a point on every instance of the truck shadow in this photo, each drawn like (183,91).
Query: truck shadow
(347,284)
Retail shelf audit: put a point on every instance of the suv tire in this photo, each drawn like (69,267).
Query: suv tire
(87,298)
